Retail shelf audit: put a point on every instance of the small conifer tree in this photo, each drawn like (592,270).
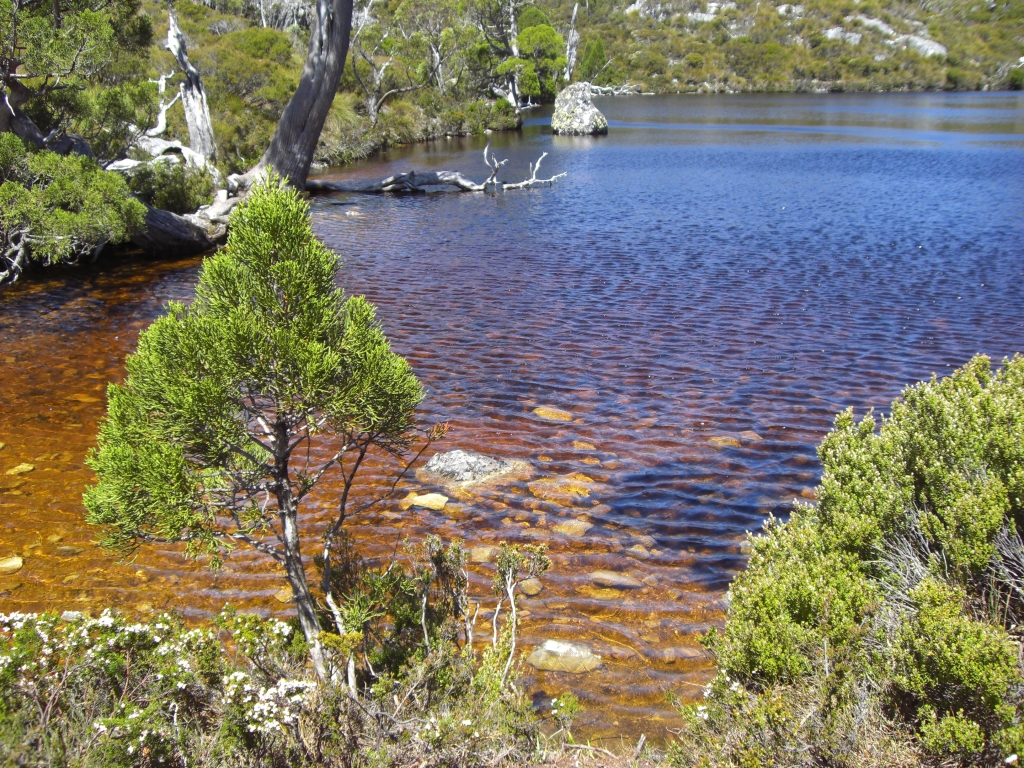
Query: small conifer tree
(237,405)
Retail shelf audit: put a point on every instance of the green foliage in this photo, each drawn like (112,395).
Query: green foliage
(268,326)
(544,48)
(57,209)
(532,16)
(61,49)
(897,587)
(593,59)
(178,188)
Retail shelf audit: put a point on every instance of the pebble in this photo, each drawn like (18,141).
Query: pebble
(11,564)
(582,445)
(531,587)
(283,595)
(21,469)
(573,527)
(434,501)
(559,656)
(750,435)
(484,554)
(68,551)
(721,441)
(552,414)
(614,580)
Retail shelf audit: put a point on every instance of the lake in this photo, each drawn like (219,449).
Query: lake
(708,285)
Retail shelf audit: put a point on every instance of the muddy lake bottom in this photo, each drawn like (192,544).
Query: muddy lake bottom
(704,291)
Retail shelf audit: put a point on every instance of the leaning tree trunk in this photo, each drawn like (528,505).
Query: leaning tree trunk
(298,131)
(572,42)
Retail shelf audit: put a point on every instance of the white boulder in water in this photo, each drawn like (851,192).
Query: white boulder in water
(560,656)
(575,114)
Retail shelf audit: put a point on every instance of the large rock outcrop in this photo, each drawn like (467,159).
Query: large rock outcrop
(576,115)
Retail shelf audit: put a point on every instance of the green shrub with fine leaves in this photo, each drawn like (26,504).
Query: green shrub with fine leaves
(897,595)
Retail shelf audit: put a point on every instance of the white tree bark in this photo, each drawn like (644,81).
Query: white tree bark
(413,181)
(193,96)
(572,42)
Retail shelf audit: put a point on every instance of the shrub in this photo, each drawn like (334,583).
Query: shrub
(178,188)
(58,210)
(895,595)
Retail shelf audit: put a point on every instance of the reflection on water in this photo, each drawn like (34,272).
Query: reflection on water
(700,301)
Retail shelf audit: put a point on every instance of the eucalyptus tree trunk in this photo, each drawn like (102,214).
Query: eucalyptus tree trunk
(298,131)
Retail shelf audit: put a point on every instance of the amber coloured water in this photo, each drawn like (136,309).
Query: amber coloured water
(700,295)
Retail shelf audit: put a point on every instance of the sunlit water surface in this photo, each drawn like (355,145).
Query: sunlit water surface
(702,292)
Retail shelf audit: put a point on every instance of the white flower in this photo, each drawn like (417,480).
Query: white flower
(467,722)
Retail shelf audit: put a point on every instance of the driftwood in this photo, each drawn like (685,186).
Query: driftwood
(170,235)
(417,181)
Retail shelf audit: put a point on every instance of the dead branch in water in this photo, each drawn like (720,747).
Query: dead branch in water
(416,181)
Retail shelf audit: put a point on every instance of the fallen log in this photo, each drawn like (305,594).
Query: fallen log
(418,181)
(167,234)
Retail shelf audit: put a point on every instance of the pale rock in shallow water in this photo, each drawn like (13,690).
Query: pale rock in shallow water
(531,587)
(483,554)
(572,527)
(575,114)
(467,466)
(559,656)
(552,414)
(11,564)
(614,580)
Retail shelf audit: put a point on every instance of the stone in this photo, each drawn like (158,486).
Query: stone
(2,446)
(572,527)
(614,580)
(531,587)
(21,469)
(575,113)
(72,616)
(468,466)
(560,656)
(72,577)
(435,501)
(563,490)
(751,435)
(552,414)
(592,460)
(483,554)
(68,551)
(283,595)
(581,445)
(11,564)
(721,441)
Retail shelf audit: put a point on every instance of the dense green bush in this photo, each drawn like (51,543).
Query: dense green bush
(179,188)
(897,596)
(58,210)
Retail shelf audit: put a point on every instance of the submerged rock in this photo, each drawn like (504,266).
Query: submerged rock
(434,501)
(575,114)
(531,587)
(11,564)
(614,580)
(573,527)
(467,466)
(559,656)
(552,414)
(483,554)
